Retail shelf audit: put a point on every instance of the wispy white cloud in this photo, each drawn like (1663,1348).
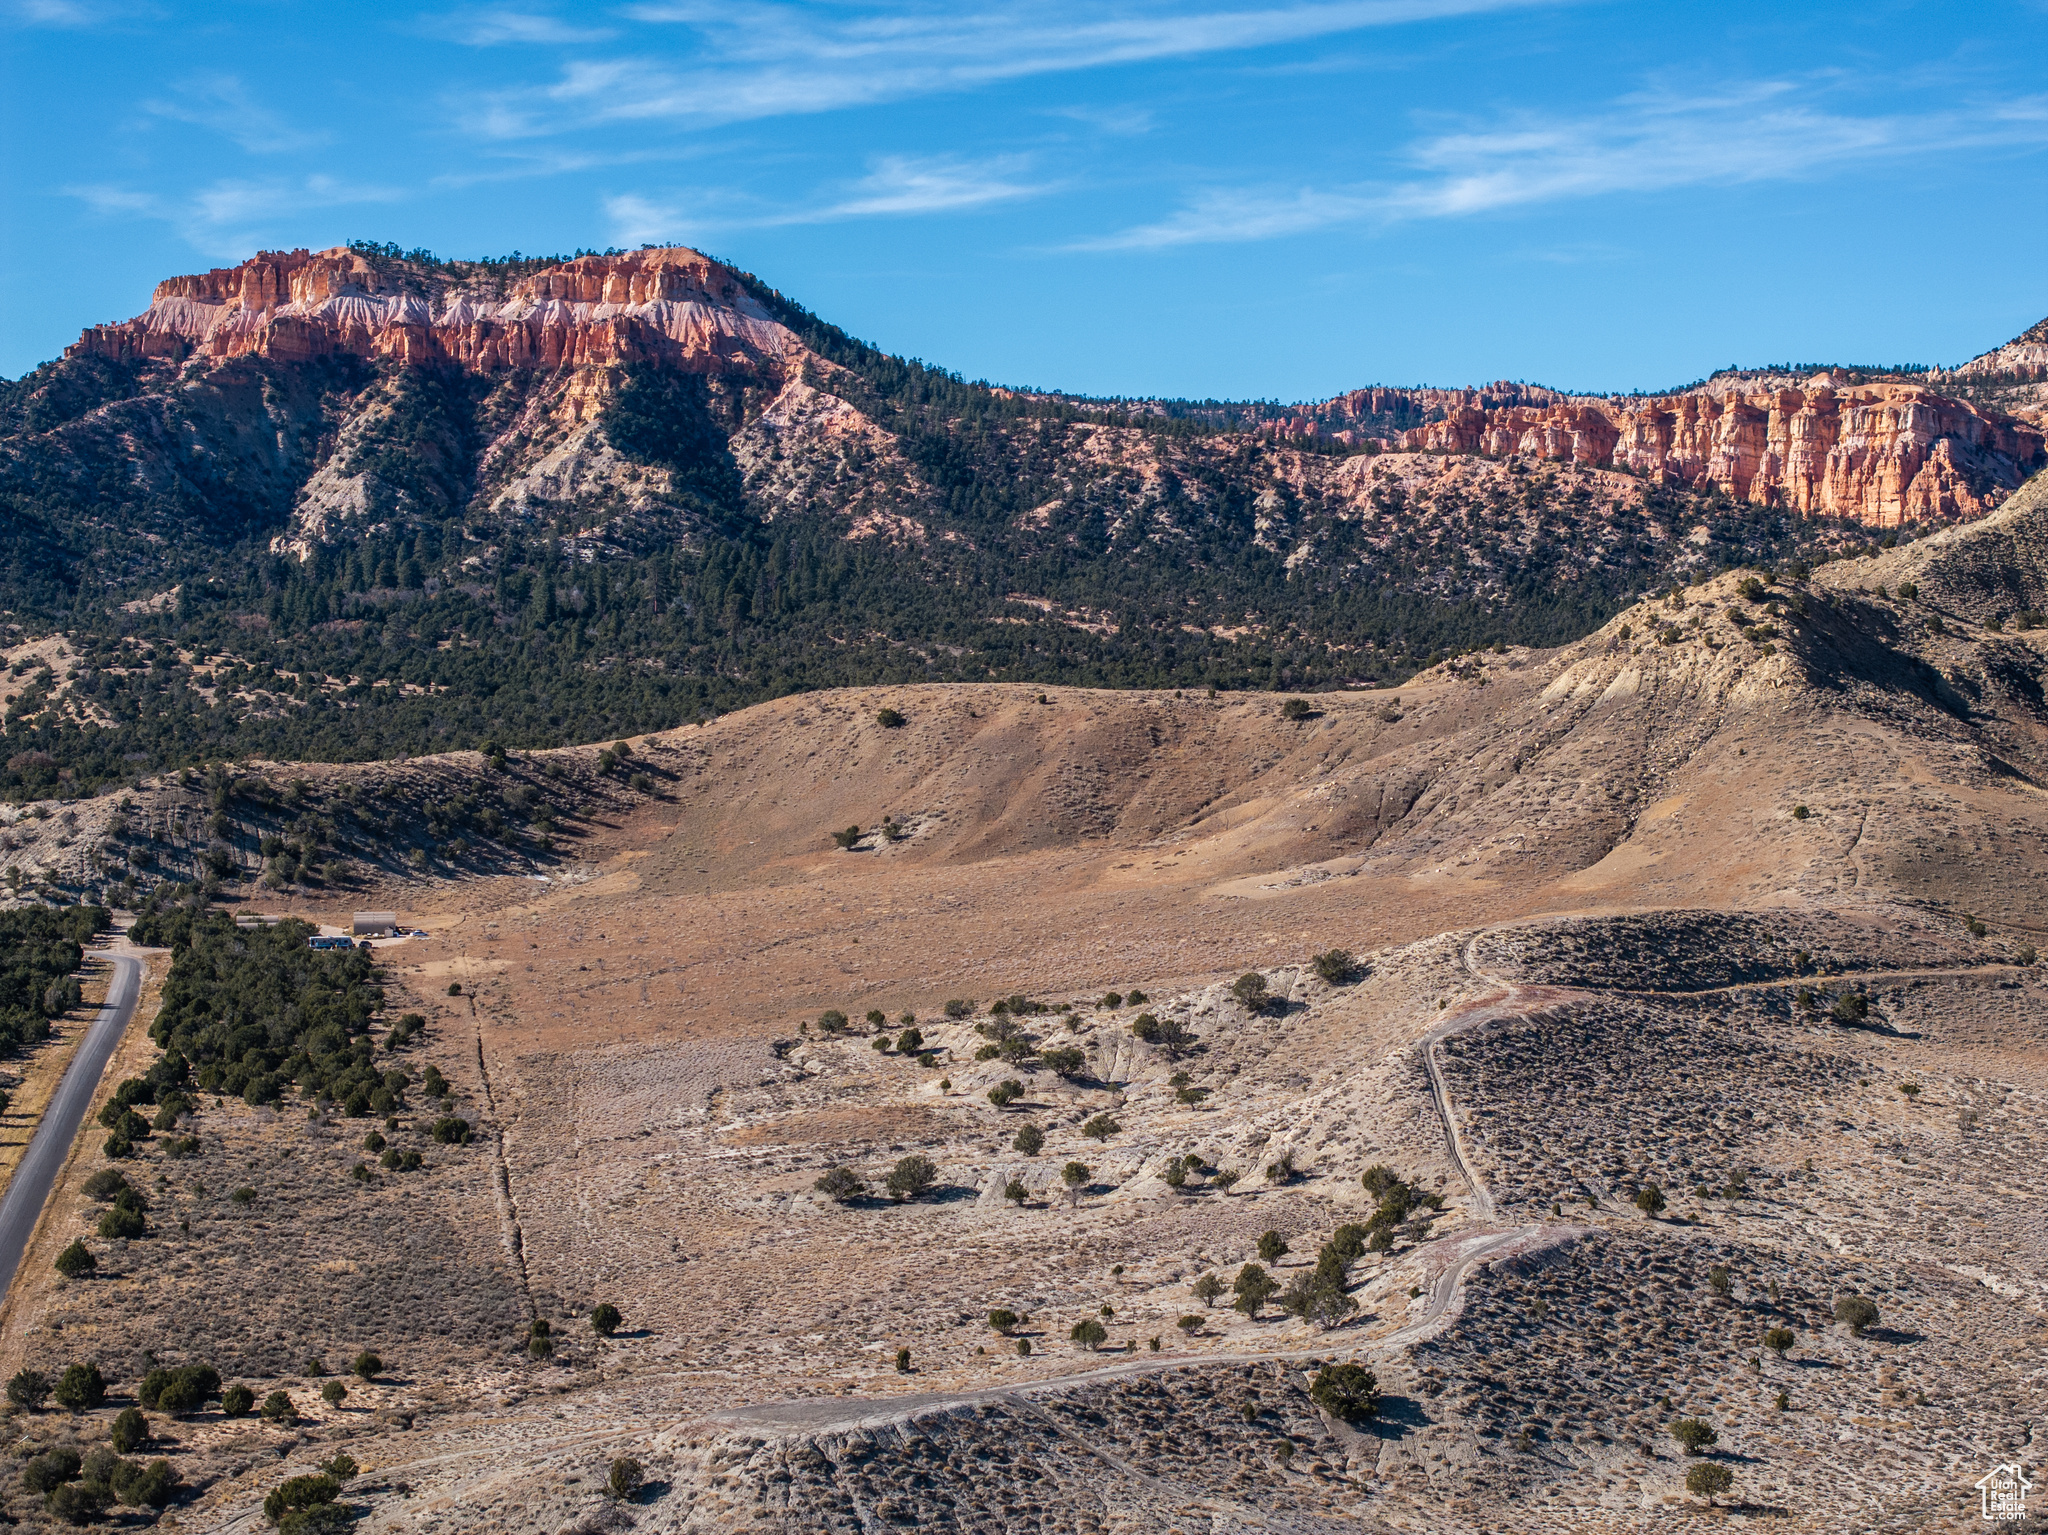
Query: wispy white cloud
(1578,253)
(637,220)
(227,204)
(1653,142)
(910,184)
(224,104)
(524,165)
(230,218)
(73,14)
(497,27)
(1218,216)
(110,200)
(1125,122)
(746,61)
(896,185)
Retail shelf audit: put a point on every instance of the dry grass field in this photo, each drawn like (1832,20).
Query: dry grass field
(1736,898)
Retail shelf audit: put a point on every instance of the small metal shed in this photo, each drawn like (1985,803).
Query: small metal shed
(374,924)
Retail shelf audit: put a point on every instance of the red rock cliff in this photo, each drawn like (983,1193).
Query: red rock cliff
(671,305)
(1881,453)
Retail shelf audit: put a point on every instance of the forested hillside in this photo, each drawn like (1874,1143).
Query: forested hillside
(217,551)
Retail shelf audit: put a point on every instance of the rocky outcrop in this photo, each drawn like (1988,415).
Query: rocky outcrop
(810,451)
(2013,378)
(1898,448)
(1362,407)
(1882,454)
(2024,358)
(671,306)
(1876,449)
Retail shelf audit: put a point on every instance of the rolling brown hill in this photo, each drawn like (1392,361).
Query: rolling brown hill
(1735,899)
(1621,770)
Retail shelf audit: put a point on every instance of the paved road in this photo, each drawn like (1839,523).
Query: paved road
(73,1101)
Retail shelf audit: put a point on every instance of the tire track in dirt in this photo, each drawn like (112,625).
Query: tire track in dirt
(512,1234)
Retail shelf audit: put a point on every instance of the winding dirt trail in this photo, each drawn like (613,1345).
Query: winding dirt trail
(1499,999)
(822,1415)
(839,1415)
(1455,1258)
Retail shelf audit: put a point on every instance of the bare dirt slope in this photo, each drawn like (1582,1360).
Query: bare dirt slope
(1688,903)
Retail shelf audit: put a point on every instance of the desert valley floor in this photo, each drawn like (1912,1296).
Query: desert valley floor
(1737,897)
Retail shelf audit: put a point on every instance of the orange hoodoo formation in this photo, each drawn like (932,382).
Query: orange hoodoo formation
(671,306)
(1879,453)
(1882,453)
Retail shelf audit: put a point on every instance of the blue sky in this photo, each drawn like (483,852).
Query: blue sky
(1245,199)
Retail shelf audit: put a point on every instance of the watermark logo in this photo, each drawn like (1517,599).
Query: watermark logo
(2005,1490)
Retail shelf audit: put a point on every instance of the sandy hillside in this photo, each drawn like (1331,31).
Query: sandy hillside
(1611,907)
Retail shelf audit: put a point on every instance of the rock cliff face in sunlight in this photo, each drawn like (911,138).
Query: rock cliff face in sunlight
(670,306)
(2025,358)
(1884,451)
(1882,454)
(429,426)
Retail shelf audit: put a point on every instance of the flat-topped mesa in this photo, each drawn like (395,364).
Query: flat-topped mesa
(1361,404)
(1379,413)
(672,306)
(1883,453)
